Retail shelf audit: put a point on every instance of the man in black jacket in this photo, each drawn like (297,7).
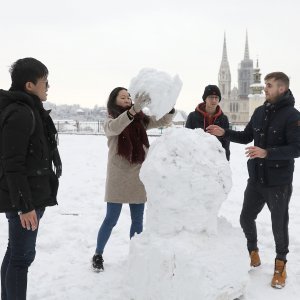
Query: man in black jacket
(209,112)
(275,129)
(27,181)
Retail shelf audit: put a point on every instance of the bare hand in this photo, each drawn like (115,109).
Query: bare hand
(256,152)
(215,130)
(29,220)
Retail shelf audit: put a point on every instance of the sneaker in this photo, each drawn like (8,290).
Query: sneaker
(279,277)
(97,263)
(254,259)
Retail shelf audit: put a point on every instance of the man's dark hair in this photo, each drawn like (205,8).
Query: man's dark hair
(26,70)
(279,76)
(113,109)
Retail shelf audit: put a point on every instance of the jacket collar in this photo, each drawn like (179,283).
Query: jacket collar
(287,99)
(201,109)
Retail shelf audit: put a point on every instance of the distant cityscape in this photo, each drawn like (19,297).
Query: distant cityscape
(75,119)
(76,112)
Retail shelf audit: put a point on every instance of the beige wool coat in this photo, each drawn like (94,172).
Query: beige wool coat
(123,184)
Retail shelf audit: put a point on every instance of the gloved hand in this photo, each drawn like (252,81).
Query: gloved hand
(141,101)
(57,163)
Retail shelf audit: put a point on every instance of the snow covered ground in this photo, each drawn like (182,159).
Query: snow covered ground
(67,236)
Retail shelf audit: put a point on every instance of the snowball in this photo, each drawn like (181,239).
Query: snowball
(187,178)
(162,88)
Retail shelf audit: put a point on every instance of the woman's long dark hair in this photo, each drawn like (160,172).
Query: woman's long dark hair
(115,110)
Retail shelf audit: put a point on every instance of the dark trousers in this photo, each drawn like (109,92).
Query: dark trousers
(112,215)
(19,255)
(277,198)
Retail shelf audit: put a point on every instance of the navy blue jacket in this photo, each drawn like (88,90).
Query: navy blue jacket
(276,128)
(196,120)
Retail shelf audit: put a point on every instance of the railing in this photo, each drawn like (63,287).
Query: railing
(91,127)
(70,126)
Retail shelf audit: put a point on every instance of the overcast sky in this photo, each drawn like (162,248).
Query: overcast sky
(90,46)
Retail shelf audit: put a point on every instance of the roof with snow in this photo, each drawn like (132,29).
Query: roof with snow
(179,117)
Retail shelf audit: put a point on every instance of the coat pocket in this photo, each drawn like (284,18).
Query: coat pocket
(279,172)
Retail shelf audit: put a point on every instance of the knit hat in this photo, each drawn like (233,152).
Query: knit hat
(211,90)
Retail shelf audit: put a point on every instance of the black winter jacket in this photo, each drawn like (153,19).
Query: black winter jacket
(276,128)
(27,144)
(196,120)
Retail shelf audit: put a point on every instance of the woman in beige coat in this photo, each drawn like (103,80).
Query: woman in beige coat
(128,145)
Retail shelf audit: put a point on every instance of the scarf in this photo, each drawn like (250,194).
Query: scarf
(133,138)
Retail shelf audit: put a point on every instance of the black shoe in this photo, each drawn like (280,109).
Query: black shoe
(97,263)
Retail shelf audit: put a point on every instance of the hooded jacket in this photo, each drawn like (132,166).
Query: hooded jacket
(200,119)
(276,128)
(27,143)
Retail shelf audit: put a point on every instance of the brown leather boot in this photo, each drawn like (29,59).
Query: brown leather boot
(254,259)
(279,277)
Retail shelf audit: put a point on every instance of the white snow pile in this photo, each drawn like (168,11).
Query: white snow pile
(186,252)
(162,88)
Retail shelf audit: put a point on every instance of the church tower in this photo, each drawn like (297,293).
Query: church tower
(257,96)
(257,87)
(245,74)
(224,80)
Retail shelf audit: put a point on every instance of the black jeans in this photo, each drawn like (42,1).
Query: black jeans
(277,199)
(19,255)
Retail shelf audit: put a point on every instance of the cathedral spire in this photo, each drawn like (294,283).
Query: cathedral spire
(224,55)
(245,73)
(224,73)
(246,55)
